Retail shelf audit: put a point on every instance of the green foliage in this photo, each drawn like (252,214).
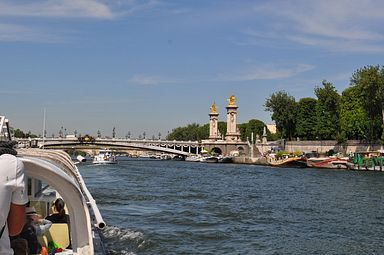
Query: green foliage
(283,108)
(243,130)
(281,154)
(273,137)
(193,132)
(353,118)
(19,134)
(357,114)
(327,111)
(306,118)
(341,137)
(222,126)
(369,81)
(297,153)
(253,126)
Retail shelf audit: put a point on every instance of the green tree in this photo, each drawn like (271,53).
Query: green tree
(18,133)
(203,132)
(222,127)
(306,118)
(369,80)
(327,111)
(283,108)
(243,131)
(353,118)
(256,127)
(193,132)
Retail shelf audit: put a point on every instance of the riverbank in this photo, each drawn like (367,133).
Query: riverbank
(321,146)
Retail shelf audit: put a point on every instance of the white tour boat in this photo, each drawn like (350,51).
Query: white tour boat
(105,156)
(52,174)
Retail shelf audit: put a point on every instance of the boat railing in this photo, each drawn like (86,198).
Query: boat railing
(61,158)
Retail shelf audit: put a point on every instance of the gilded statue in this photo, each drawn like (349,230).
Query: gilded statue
(213,108)
(232,100)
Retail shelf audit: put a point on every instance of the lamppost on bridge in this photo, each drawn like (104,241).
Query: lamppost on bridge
(144,135)
(98,134)
(61,132)
(159,136)
(113,132)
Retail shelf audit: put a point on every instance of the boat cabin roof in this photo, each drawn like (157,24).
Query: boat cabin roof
(57,170)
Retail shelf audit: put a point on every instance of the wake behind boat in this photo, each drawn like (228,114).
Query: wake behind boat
(105,156)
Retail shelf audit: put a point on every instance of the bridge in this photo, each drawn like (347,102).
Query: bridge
(182,148)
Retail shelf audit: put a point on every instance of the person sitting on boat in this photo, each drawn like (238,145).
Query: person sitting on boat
(60,216)
(35,226)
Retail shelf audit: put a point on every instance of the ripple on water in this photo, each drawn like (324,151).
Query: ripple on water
(123,241)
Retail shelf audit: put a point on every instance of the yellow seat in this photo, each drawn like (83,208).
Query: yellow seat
(59,233)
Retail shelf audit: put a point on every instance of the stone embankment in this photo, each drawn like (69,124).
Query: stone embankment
(250,160)
(321,146)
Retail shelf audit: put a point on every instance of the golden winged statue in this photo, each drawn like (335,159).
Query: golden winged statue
(232,100)
(213,108)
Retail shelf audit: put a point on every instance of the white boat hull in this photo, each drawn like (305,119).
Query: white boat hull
(104,157)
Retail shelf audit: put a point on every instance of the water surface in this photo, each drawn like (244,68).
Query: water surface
(171,207)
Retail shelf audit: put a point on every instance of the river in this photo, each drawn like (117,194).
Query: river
(176,207)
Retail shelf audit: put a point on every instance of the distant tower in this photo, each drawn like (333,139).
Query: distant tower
(233,134)
(213,124)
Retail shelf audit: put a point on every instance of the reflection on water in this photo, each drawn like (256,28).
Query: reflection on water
(167,207)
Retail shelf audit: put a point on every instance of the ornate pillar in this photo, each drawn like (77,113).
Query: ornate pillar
(233,133)
(214,134)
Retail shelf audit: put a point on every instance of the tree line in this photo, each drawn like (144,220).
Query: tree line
(357,113)
(196,132)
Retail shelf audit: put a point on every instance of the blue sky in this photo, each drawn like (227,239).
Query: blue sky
(150,66)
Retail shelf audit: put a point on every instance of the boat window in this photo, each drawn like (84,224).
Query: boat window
(42,197)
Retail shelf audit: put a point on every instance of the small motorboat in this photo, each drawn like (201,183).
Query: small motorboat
(105,156)
(328,162)
(209,159)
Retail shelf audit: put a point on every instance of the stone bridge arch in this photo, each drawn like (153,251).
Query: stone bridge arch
(216,150)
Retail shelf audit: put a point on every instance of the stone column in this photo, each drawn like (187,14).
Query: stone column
(233,133)
(214,134)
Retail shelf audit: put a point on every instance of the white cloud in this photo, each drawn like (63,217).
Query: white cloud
(348,25)
(99,9)
(18,16)
(266,73)
(339,45)
(57,8)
